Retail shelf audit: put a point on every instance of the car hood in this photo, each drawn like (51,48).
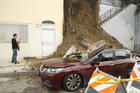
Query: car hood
(59,62)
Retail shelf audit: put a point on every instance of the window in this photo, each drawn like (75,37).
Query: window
(7,31)
(106,56)
(121,54)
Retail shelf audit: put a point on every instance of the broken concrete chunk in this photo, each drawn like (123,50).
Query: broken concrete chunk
(70,51)
(92,49)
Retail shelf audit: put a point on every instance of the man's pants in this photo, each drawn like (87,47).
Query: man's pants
(14,57)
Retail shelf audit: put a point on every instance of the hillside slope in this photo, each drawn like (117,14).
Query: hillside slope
(81,19)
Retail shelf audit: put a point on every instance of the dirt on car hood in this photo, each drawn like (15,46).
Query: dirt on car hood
(59,62)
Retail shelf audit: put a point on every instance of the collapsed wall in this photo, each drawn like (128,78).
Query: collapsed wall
(81,21)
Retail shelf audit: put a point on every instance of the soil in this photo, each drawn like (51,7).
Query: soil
(36,64)
(81,19)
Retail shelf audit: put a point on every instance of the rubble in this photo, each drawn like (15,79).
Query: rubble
(91,49)
(70,51)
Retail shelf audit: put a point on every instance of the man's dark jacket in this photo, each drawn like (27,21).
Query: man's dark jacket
(14,43)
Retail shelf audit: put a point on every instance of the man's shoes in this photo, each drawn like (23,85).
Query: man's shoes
(17,63)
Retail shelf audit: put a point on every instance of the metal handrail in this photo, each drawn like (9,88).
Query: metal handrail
(113,11)
(108,14)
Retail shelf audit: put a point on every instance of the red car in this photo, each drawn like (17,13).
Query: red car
(69,74)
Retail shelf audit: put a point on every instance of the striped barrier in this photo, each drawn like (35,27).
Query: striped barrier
(101,82)
(136,71)
(95,84)
(134,86)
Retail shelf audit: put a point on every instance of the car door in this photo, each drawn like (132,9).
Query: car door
(122,62)
(106,59)
(87,70)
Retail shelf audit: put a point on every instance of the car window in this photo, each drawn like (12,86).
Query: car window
(121,54)
(106,56)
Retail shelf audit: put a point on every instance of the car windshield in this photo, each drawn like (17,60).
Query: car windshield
(84,56)
(81,57)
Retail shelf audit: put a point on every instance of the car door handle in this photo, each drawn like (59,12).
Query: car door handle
(111,64)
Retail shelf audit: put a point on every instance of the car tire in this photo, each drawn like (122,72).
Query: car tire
(72,82)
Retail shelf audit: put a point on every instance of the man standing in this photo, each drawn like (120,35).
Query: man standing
(15,47)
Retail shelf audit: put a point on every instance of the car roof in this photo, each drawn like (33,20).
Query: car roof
(116,49)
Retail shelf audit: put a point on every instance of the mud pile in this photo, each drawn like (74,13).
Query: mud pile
(81,20)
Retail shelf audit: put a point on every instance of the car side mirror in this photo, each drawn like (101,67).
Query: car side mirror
(95,62)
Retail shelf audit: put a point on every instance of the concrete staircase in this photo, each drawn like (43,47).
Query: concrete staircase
(110,14)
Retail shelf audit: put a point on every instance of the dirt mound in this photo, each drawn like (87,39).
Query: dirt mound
(81,19)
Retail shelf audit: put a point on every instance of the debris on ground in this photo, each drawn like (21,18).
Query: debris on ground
(36,64)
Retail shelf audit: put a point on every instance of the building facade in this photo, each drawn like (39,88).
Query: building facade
(38,23)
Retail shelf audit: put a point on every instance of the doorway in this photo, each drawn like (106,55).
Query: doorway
(48,38)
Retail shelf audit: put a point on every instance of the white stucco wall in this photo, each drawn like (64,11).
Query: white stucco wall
(122,26)
(31,12)
(104,8)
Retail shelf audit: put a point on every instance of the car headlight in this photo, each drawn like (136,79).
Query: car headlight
(52,70)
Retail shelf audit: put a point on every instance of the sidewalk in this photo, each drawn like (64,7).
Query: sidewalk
(6,63)
(6,67)
(9,69)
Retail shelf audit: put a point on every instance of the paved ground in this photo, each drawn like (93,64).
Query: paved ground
(26,84)
(8,67)
(31,84)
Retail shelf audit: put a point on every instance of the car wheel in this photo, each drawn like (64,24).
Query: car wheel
(72,82)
